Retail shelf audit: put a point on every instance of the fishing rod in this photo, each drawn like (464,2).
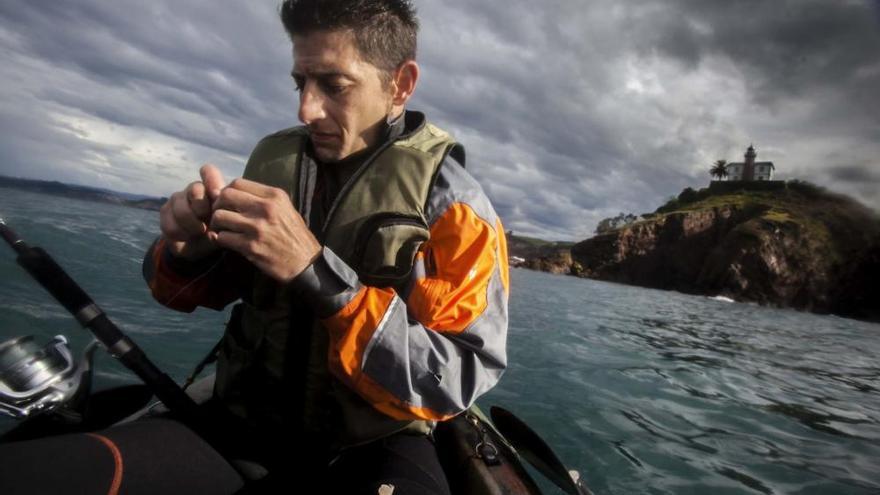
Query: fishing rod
(40,265)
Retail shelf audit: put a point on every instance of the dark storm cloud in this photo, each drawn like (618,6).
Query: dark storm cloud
(856,174)
(570,111)
(786,46)
(794,77)
(190,79)
(148,46)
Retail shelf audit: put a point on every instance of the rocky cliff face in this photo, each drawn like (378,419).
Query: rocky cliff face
(558,262)
(786,249)
(537,254)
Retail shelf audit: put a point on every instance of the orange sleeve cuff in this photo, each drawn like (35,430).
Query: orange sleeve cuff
(185,292)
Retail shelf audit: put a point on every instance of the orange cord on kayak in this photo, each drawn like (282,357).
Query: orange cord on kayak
(117,461)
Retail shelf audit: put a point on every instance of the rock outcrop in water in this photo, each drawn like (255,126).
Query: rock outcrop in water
(538,254)
(799,246)
(558,262)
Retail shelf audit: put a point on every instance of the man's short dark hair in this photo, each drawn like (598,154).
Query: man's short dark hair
(384,30)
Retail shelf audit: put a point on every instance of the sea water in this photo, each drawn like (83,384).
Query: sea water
(639,390)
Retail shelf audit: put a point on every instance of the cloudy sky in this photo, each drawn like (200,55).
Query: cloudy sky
(571,111)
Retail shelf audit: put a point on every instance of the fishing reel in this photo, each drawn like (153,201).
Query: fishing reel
(36,379)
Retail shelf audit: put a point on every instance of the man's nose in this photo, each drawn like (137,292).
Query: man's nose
(311,105)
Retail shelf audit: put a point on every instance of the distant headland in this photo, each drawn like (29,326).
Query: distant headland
(83,192)
(748,238)
(797,246)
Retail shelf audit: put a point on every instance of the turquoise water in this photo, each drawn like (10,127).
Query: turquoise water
(641,391)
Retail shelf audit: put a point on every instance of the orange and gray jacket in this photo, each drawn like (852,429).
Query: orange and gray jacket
(400,323)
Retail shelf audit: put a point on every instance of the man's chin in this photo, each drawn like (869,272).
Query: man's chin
(326,154)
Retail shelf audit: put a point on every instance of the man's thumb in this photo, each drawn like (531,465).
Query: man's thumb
(213,180)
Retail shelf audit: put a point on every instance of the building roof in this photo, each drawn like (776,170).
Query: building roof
(742,164)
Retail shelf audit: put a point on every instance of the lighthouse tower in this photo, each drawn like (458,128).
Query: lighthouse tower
(749,166)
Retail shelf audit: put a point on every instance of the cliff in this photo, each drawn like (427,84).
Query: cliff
(799,247)
(538,254)
(558,262)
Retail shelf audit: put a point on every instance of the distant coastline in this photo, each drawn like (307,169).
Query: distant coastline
(83,192)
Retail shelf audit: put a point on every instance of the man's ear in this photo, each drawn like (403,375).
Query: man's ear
(404,82)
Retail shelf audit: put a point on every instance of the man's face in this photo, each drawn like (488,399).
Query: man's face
(342,98)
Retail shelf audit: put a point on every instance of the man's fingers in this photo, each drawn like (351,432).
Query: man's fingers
(213,180)
(169,226)
(198,200)
(235,200)
(224,220)
(254,188)
(234,241)
(195,191)
(186,218)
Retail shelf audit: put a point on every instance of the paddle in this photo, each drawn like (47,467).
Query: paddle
(535,450)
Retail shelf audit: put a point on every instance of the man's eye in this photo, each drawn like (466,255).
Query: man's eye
(333,89)
(327,87)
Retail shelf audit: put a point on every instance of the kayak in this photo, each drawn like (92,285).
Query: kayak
(476,458)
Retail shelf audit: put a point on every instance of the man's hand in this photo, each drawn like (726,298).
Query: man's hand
(260,223)
(183,218)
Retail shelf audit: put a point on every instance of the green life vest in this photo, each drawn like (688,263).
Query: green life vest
(272,367)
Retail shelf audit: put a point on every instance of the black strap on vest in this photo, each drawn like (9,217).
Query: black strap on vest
(457,154)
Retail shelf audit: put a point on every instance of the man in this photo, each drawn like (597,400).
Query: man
(371,267)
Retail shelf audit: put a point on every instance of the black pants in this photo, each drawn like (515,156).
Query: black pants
(406,462)
(160,456)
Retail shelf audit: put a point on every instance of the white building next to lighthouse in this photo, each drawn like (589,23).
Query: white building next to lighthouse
(750,169)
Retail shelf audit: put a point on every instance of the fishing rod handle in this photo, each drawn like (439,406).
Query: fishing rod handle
(166,389)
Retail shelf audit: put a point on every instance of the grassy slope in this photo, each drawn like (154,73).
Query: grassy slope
(835,222)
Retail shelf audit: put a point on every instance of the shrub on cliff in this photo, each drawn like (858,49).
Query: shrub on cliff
(613,223)
(806,189)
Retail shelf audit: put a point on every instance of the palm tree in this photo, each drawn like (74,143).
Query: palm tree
(719,169)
